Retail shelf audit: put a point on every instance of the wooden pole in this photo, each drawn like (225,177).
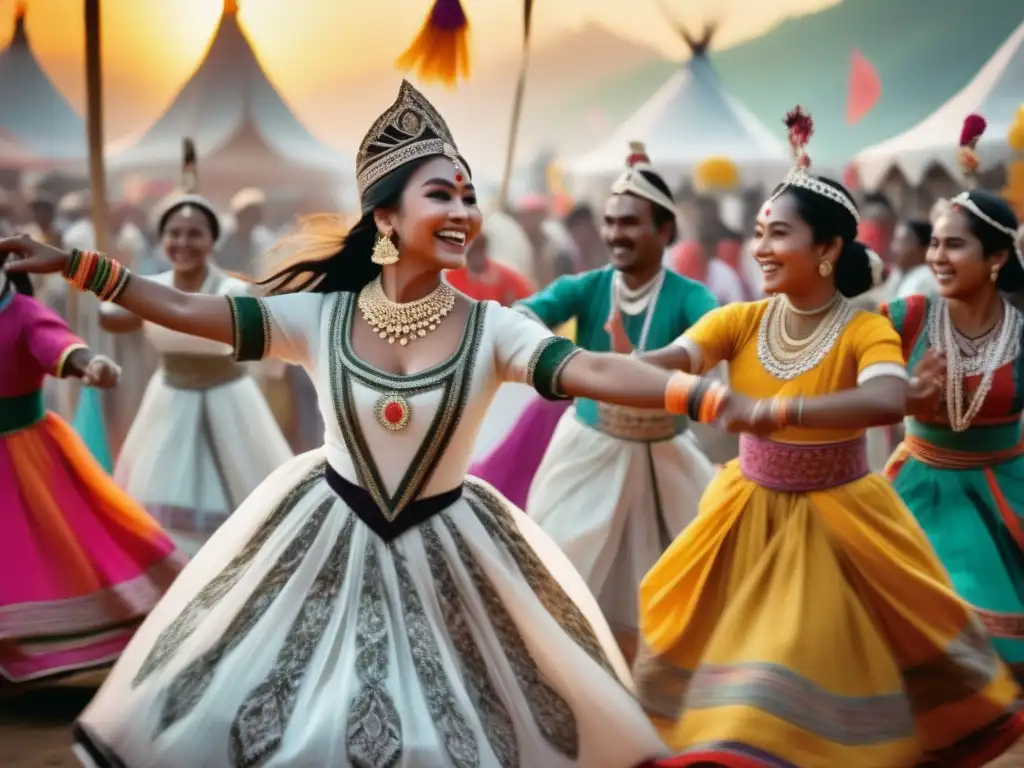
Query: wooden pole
(94,123)
(517,107)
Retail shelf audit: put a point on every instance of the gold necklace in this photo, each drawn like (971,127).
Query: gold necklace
(404,322)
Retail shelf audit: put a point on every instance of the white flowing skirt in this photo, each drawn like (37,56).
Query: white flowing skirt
(298,638)
(613,506)
(191,457)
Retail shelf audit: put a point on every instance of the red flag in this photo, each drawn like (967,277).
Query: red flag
(864,89)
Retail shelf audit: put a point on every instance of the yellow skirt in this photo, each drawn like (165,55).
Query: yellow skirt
(818,629)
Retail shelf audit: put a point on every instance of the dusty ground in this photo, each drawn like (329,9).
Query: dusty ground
(35,727)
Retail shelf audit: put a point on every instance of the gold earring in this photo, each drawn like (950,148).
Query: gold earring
(994,272)
(384,251)
(825,268)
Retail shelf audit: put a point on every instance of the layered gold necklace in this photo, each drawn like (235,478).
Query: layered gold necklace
(786,357)
(404,322)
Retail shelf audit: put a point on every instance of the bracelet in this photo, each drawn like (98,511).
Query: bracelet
(96,273)
(677,392)
(780,411)
(799,410)
(711,405)
(755,412)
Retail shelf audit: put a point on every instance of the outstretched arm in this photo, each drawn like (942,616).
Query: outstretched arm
(115,319)
(192,313)
(614,378)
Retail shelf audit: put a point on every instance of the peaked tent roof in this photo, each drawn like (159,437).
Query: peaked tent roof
(996,93)
(228,106)
(689,119)
(35,114)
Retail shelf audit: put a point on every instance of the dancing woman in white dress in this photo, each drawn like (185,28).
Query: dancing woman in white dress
(370,605)
(204,436)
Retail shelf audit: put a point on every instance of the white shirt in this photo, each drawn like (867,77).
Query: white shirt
(918,280)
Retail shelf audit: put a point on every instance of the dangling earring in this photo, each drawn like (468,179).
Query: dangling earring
(384,251)
(994,273)
(825,268)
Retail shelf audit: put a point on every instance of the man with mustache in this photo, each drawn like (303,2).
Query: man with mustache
(618,484)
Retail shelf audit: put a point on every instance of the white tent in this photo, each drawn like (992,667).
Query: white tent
(691,118)
(996,93)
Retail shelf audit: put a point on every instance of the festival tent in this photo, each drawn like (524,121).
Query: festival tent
(37,124)
(244,132)
(996,93)
(690,118)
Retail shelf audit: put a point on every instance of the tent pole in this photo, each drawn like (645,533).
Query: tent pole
(94,123)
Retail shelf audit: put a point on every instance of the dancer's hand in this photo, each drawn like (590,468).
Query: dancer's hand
(927,385)
(31,256)
(102,373)
(742,414)
(617,331)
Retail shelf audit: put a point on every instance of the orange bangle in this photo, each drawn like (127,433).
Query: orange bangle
(780,411)
(677,392)
(86,264)
(709,406)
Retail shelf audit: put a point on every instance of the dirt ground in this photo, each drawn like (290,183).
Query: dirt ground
(35,727)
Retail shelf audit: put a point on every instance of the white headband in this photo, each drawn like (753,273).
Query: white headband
(632,182)
(964,199)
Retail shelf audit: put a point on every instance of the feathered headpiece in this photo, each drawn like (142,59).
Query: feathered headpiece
(440,52)
(972,130)
(799,129)
(633,182)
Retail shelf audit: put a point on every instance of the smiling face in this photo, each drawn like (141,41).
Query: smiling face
(785,249)
(437,217)
(956,257)
(628,230)
(187,239)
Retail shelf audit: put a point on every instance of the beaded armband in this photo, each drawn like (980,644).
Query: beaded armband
(546,366)
(250,328)
(96,273)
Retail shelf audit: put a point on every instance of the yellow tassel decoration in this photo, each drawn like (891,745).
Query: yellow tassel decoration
(1014,192)
(440,52)
(716,174)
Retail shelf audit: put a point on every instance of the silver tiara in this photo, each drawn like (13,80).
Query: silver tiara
(964,200)
(799,177)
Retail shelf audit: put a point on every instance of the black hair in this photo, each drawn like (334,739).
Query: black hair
(208,213)
(993,241)
(581,213)
(877,198)
(349,267)
(661,215)
(17,281)
(921,229)
(828,220)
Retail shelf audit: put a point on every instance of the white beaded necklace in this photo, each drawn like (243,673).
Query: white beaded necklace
(995,352)
(786,358)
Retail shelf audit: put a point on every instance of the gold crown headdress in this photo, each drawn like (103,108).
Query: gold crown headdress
(407,130)
(633,182)
(800,128)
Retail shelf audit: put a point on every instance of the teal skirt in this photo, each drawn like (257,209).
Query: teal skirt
(974,518)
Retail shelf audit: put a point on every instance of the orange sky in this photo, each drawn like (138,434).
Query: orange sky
(151,46)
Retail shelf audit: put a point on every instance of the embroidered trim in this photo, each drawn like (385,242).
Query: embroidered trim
(454,375)
(62,361)
(877,370)
(526,312)
(250,328)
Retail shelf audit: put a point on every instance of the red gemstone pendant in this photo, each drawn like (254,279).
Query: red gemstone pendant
(393,412)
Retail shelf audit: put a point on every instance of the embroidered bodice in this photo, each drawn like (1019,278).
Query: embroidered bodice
(399,437)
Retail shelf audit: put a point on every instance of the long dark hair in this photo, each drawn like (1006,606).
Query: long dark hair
(993,241)
(325,258)
(16,281)
(828,220)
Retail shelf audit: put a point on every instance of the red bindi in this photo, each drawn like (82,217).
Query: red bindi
(767,211)
(458,177)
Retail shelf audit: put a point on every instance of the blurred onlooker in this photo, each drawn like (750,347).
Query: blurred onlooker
(248,237)
(484,278)
(909,247)
(551,257)
(689,259)
(583,229)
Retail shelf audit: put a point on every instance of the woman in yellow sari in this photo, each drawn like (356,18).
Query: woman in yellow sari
(803,620)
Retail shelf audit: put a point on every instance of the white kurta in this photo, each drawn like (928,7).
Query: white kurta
(299,637)
(614,505)
(193,455)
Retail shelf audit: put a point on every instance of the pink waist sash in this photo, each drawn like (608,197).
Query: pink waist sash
(802,468)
